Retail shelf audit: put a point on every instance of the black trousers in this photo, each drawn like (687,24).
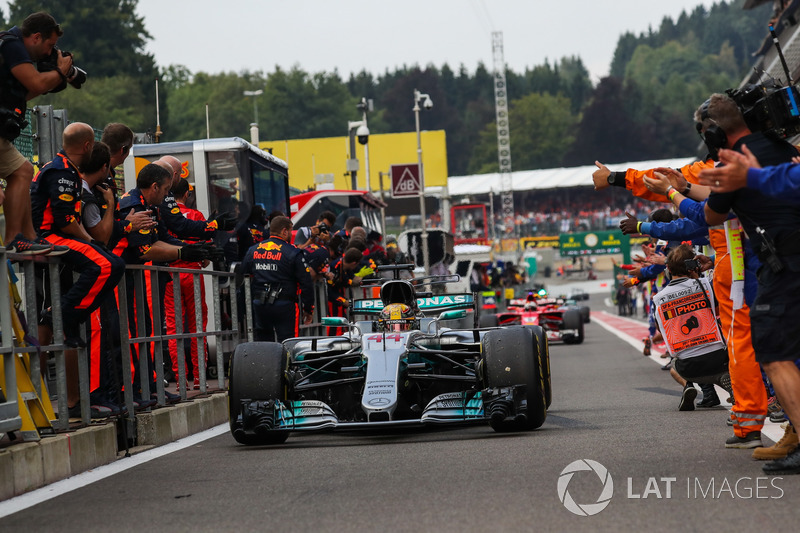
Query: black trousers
(274,322)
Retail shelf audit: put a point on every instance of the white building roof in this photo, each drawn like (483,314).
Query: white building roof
(548,178)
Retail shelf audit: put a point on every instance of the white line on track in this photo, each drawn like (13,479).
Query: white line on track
(58,488)
(770,429)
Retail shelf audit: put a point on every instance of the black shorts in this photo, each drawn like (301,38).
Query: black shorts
(775,314)
(702,366)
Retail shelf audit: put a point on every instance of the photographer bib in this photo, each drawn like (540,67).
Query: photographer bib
(686,317)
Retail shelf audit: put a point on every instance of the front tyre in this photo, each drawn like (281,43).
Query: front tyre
(510,358)
(543,353)
(257,373)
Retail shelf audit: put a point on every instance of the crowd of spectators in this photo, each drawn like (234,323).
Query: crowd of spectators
(552,212)
(730,331)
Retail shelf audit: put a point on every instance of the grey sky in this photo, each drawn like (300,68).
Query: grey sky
(350,35)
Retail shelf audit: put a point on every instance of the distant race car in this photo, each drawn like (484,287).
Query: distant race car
(578,294)
(397,366)
(561,319)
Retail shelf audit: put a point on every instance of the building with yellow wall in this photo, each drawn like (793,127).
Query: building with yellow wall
(308,158)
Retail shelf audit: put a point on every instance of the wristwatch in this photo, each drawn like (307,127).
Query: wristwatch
(616,179)
(688,188)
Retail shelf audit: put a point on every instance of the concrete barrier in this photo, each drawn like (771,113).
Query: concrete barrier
(31,465)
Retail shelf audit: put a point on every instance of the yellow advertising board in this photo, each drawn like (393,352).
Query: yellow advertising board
(310,157)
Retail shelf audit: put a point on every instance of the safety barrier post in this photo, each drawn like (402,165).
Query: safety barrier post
(125,344)
(179,354)
(248,309)
(141,333)
(198,328)
(10,419)
(156,334)
(58,346)
(32,321)
(236,336)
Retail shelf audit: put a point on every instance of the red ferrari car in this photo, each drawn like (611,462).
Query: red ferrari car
(561,320)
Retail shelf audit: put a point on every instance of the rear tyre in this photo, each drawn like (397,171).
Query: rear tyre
(573,320)
(488,321)
(257,373)
(510,357)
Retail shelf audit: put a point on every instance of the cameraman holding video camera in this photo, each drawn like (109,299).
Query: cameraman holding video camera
(31,66)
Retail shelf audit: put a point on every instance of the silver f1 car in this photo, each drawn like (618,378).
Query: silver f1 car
(399,366)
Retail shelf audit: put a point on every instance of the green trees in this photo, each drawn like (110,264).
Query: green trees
(542,130)
(642,110)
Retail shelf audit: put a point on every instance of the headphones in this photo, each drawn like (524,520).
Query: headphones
(714,137)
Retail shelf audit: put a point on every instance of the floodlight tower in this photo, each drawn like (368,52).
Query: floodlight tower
(503,134)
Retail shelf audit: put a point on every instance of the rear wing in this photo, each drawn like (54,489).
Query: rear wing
(443,302)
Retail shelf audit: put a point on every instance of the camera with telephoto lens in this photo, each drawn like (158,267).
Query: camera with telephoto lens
(322,227)
(76,76)
(691,265)
(12,122)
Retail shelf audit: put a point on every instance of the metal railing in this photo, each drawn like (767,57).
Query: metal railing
(157,338)
(21,340)
(27,402)
(148,296)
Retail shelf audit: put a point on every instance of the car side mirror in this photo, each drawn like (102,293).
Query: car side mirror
(334,321)
(452,315)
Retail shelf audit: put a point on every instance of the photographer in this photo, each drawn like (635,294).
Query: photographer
(310,235)
(20,81)
(686,317)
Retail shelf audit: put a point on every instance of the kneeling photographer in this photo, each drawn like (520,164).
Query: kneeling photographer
(23,52)
(686,317)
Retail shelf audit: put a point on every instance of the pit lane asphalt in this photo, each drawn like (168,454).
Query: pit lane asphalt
(610,405)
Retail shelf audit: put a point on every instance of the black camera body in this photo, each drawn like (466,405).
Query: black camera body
(692,265)
(769,108)
(76,75)
(12,122)
(323,228)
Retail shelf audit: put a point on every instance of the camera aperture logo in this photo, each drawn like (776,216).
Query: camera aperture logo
(585,509)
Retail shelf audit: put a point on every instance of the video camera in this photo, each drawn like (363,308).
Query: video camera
(75,77)
(769,107)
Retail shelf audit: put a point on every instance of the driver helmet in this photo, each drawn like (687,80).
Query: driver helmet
(397,317)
